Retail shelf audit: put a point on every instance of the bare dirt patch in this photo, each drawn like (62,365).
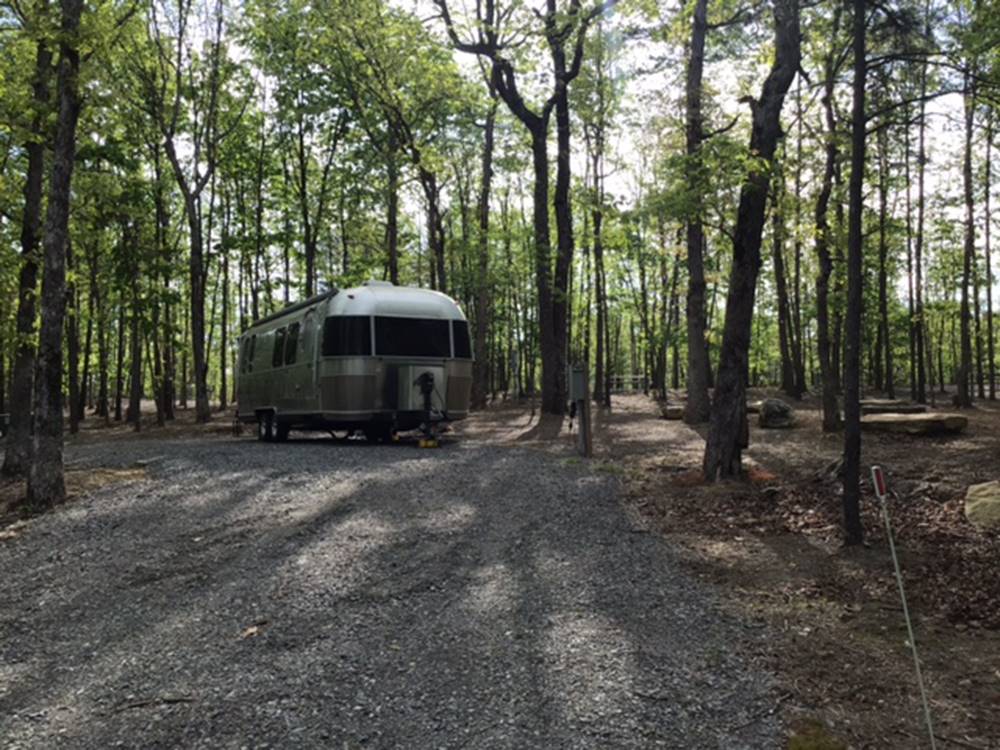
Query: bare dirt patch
(79,482)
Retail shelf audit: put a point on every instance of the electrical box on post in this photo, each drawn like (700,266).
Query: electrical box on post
(579,396)
(577,383)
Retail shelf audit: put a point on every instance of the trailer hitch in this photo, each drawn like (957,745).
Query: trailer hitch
(426,384)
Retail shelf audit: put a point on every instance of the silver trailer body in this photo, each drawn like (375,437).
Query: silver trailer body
(356,359)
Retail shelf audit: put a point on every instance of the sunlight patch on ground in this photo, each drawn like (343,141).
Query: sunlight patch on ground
(493,592)
(593,683)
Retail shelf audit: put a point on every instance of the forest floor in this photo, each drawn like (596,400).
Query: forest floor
(521,538)
(772,545)
(202,589)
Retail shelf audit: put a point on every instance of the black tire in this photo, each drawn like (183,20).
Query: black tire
(378,433)
(281,432)
(265,427)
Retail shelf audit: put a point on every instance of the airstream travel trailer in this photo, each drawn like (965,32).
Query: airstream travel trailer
(376,358)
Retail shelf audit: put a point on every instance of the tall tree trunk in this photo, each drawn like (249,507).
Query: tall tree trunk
(564,250)
(798,348)
(785,323)
(918,253)
(698,405)
(853,529)
(911,318)
(481,367)
(392,214)
(883,252)
(134,413)
(828,374)
(435,229)
(120,362)
(72,342)
(543,272)
(601,394)
(990,341)
(203,412)
(308,231)
(45,477)
(156,360)
(86,395)
(963,396)
(728,430)
(224,336)
(17,453)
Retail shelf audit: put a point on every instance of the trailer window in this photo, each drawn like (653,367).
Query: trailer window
(347,335)
(291,343)
(278,353)
(460,334)
(412,337)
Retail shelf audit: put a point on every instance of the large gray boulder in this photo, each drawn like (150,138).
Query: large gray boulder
(776,414)
(982,505)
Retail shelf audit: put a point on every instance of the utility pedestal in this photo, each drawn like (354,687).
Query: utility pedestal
(579,394)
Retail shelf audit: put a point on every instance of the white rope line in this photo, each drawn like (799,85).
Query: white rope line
(881,495)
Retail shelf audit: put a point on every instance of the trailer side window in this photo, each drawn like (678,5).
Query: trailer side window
(277,355)
(412,337)
(347,335)
(460,333)
(291,343)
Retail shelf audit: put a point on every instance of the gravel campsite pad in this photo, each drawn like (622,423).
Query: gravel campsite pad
(316,594)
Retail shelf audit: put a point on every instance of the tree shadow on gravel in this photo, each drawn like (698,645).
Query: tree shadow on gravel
(404,598)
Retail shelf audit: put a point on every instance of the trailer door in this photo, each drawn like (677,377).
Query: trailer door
(308,372)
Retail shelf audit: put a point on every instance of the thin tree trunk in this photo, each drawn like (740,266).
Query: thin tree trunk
(392,217)
(853,529)
(483,262)
(963,396)
(72,342)
(883,252)
(785,324)
(828,375)
(698,406)
(911,319)
(798,348)
(921,335)
(134,413)
(86,395)
(990,341)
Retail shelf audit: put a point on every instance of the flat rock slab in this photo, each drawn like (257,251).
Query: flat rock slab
(931,423)
(893,408)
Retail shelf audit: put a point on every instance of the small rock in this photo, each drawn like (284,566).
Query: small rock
(982,505)
(776,414)
(672,411)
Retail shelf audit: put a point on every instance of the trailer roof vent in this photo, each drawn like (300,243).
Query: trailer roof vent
(376,282)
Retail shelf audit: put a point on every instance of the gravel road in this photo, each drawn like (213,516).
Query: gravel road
(313,594)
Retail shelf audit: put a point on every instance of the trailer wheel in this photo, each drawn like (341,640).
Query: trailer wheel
(378,433)
(265,427)
(281,432)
